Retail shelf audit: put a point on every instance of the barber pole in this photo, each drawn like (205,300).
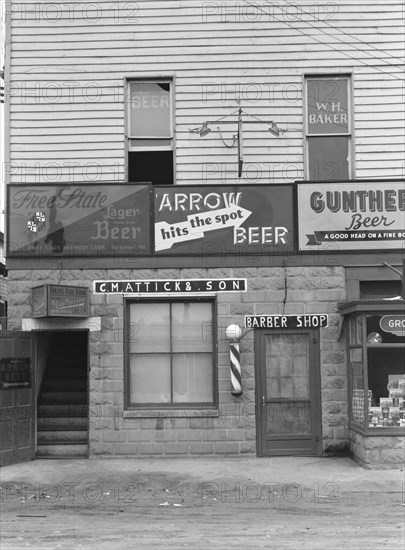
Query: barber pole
(236,374)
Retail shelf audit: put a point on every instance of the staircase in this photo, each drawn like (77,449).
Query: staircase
(62,413)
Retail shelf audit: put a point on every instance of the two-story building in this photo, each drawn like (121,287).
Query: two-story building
(205,230)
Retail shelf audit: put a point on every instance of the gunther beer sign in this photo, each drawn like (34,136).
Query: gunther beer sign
(225,219)
(73,220)
(351,216)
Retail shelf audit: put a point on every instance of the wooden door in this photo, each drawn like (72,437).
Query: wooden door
(288,393)
(17,398)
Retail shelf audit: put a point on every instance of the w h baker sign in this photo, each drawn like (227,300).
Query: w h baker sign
(351,216)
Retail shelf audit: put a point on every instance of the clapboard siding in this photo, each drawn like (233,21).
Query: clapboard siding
(66,98)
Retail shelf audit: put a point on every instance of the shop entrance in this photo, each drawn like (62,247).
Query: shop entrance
(288,393)
(43,395)
(62,396)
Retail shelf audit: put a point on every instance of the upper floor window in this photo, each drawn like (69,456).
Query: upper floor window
(150,131)
(328,146)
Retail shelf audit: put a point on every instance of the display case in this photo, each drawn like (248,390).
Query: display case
(376,366)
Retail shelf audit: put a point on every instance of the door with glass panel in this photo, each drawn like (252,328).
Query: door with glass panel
(288,393)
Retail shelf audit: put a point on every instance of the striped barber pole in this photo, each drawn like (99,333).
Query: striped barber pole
(236,373)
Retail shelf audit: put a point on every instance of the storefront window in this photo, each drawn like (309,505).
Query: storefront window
(386,370)
(376,357)
(379,290)
(170,354)
(356,366)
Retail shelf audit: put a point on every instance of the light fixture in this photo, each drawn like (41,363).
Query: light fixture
(274,129)
(237,137)
(233,332)
(204,130)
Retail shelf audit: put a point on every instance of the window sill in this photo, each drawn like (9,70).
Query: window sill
(172,413)
(376,432)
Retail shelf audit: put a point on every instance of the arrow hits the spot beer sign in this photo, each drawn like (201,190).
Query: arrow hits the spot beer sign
(240,219)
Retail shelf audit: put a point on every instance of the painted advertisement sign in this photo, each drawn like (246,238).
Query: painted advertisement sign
(394,324)
(15,372)
(224,220)
(327,108)
(149,112)
(76,221)
(351,216)
(60,301)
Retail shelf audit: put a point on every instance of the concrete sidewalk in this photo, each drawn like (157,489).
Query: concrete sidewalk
(305,471)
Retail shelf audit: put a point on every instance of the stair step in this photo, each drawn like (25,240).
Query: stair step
(67,360)
(61,451)
(62,411)
(66,376)
(63,423)
(63,397)
(57,385)
(62,437)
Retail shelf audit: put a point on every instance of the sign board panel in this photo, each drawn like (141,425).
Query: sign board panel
(15,372)
(149,110)
(351,216)
(286,321)
(224,220)
(327,107)
(394,324)
(60,301)
(171,286)
(78,220)
(39,301)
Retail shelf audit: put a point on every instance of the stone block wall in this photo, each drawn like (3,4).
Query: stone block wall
(378,452)
(231,429)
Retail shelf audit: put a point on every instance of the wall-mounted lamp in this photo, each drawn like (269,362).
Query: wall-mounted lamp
(275,130)
(234,333)
(204,130)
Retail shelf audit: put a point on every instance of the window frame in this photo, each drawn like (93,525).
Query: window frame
(349,134)
(352,311)
(164,79)
(173,406)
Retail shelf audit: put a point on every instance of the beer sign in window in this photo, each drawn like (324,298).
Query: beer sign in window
(149,113)
(150,131)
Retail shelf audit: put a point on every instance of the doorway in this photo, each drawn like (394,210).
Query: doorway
(61,359)
(288,393)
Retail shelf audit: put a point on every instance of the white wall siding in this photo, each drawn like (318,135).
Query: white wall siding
(65,90)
